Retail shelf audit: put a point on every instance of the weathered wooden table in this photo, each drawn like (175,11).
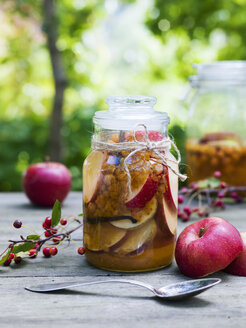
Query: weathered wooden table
(100,305)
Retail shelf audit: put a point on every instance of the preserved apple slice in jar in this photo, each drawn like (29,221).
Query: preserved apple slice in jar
(143,194)
(102,236)
(171,193)
(136,239)
(141,215)
(92,174)
(166,217)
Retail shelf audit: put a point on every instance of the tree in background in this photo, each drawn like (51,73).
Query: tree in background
(105,47)
(202,31)
(50,28)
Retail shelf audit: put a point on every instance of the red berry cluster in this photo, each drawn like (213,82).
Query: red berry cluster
(214,197)
(185,213)
(54,235)
(51,231)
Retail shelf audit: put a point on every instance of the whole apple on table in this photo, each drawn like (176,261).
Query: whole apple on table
(46,182)
(210,245)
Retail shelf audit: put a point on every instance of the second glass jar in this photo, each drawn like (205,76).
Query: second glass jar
(216,134)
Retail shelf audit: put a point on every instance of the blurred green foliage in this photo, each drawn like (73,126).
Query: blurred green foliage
(25,141)
(106,49)
(204,30)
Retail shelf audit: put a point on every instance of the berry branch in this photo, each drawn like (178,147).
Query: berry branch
(54,234)
(215,192)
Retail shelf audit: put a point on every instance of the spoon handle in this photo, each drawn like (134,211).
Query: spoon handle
(58,286)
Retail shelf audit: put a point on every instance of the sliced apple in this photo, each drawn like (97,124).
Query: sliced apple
(141,215)
(92,174)
(222,138)
(153,135)
(171,192)
(166,217)
(140,135)
(143,194)
(102,236)
(137,238)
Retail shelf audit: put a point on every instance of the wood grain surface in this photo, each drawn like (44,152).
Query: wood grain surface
(102,306)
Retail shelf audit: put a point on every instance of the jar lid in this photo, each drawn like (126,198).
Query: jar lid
(233,71)
(125,112)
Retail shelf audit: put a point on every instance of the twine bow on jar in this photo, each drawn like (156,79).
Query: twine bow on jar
(160,148)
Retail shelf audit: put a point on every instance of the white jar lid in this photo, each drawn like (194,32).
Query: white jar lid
(125,112)
(230,72)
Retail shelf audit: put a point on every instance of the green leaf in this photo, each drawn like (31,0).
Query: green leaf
(33,237)
(80,214)
(3,259)
(208,183)
(56,213)
(23,247)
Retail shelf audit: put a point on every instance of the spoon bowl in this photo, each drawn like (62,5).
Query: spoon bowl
(175,291)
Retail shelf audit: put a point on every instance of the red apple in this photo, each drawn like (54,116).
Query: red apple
(92,174)
(238,266)
(207,246)
(44,183)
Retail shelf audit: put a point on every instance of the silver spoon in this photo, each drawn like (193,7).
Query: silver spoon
(175,291)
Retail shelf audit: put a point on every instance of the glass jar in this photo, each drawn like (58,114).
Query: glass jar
(129,193)
(216,130)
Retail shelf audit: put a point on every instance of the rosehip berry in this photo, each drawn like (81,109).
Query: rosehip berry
(222,185)
(195,209)
(56,239)
(53,231)
(217,174)
(47,234)
(48,221)
(219,203)
(194,186)
(11,256)
(239,199)
(206,213)
(7,262)
(180,199)
(32,252)
(53,251)
(185,217)
(221,194)
(63,221)
(201,213)
(184,189)
(45,226)
(233,195)
(81,250)
(46,251)
(17,224)
(187,210)
(17,259)
(36,245)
